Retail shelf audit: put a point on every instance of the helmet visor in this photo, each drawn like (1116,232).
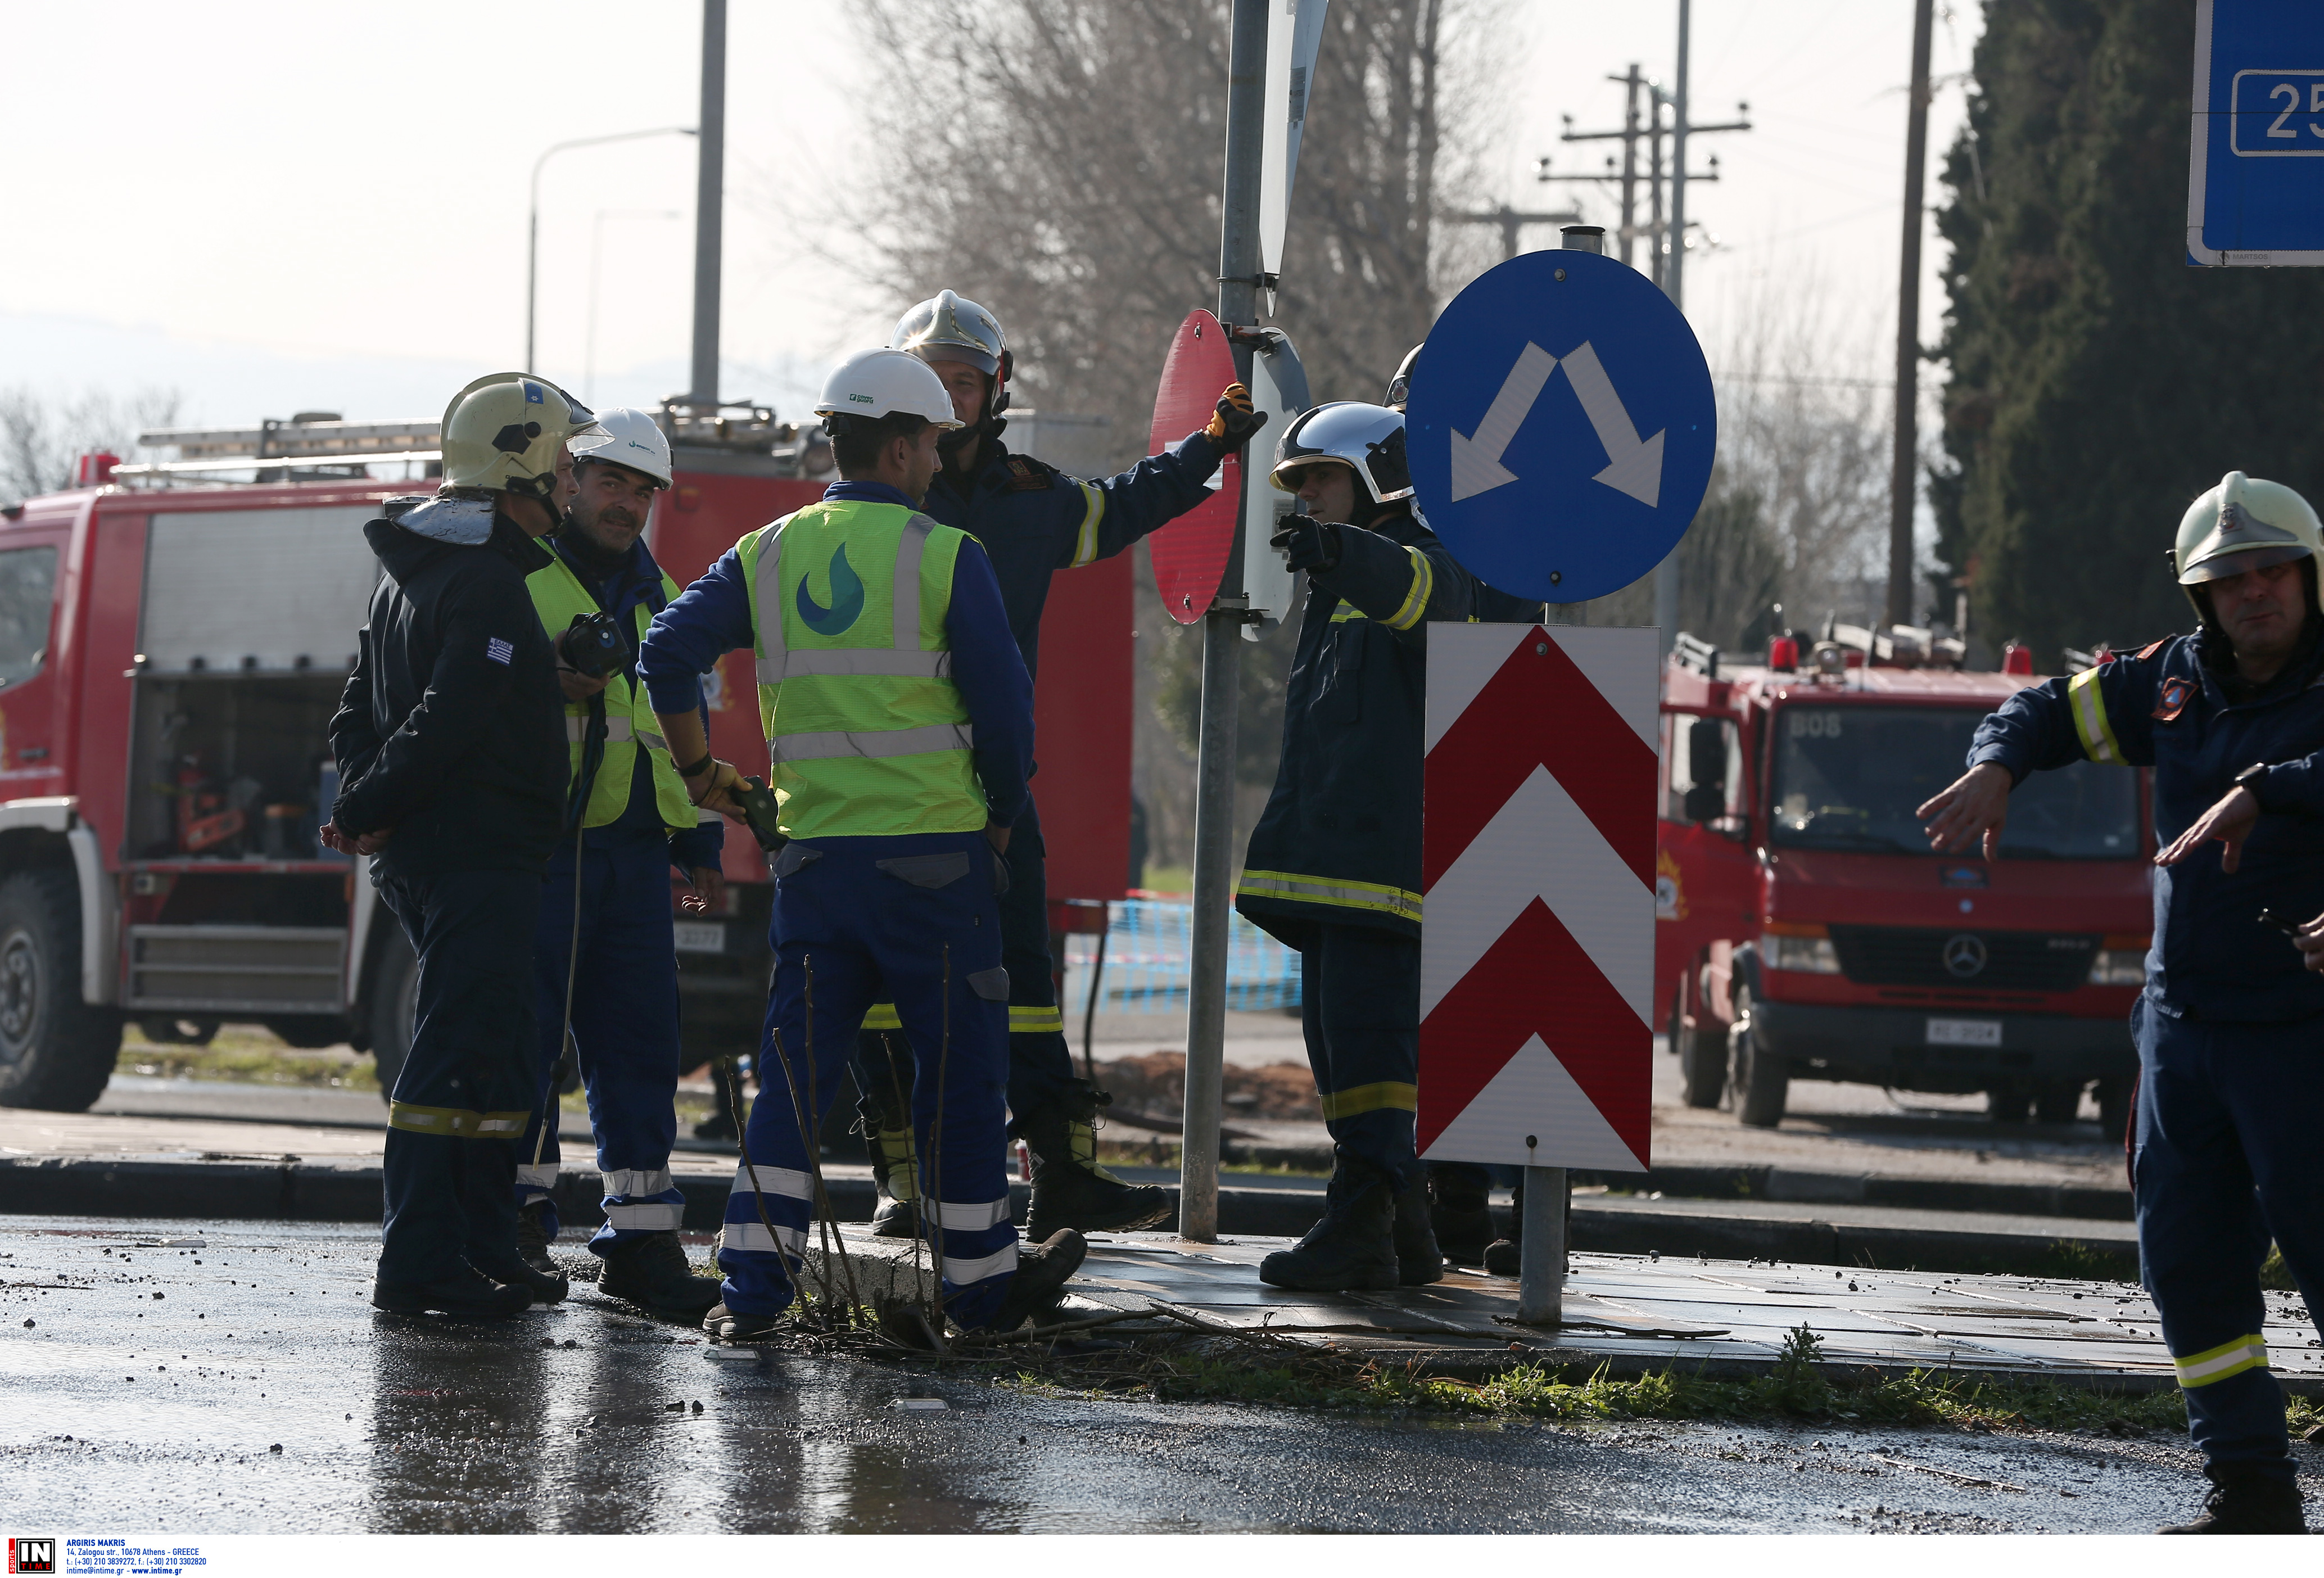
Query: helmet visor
(1291,472)
(2220,566)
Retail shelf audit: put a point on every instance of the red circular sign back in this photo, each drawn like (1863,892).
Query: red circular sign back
(1190,554)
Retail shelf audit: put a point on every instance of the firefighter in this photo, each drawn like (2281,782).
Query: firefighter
(452,765)
(2231,1091)
(1460,1192)
(899,720)
(1033,521)
(1333,866)
(604,944)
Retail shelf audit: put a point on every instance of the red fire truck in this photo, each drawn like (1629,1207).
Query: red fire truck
(173,641)
(1804,930)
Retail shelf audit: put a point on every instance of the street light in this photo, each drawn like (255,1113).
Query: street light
(596,247)
(532,222)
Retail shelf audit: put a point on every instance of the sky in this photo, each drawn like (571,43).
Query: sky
(278,207)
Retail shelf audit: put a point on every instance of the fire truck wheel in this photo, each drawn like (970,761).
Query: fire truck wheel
(1702,1071)
(1762,1081)
(2116,1093)
(2057,1100)
(395,994)
(56,1051)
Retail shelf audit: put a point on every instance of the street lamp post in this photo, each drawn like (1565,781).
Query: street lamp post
(532,219)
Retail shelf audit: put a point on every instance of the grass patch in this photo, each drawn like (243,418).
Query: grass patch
(1800,1387)
(247,1055)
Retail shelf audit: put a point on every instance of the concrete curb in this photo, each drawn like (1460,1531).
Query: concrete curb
(315,1192)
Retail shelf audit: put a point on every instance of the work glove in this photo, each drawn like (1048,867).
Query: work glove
(1308,544)
(1234,421)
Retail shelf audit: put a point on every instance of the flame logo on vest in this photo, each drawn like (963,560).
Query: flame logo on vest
(847,598)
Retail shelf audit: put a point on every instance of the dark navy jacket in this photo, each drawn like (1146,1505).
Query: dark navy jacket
(713,618)
(1339,839)
(2163,707)
(1034,521)
(638,583)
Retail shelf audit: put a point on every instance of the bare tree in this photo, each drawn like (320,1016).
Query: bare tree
(43,436)
(1059,161)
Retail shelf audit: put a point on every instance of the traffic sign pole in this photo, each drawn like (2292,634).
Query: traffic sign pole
(1541,1248)
(1206,1002)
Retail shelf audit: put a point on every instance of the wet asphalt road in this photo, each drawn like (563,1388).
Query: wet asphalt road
(153,1385)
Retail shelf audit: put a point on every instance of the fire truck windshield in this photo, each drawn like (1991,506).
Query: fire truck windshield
(1850,776)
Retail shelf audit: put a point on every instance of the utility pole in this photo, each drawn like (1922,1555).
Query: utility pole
(1675,275)
(1510,220)
(1652,132)
(1903,478)
(709,205)
(1206,999)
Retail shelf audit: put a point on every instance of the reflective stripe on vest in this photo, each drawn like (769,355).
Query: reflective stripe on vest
(558,594)
(866,730)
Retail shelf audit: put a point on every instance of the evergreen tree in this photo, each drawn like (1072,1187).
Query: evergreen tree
(2098,383)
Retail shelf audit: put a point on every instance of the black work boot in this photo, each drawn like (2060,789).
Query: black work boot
(654,1273)
(1417,1259)
(895,1169)
(1070,1190)
(470,1293)
(1503,1255)
(543,1287)
(1353,1247)
(1460,1213)
(532,1237)
(2245,1499)
(726,1325)
(1041,1274)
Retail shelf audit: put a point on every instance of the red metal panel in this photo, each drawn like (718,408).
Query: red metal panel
(1081,730)
(1190,554)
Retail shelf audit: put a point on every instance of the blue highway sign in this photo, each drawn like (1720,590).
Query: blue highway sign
(2256,152)
(1561,426)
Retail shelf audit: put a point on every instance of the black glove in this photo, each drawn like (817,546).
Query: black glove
(1235,421)
(1308,544)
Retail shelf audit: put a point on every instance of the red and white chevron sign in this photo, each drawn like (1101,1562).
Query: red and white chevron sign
(1537,946)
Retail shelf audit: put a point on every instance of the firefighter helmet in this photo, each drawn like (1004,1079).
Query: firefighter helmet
(2243,524)
(627,437)
(947,328)
(885,382)
(504,431)
(1369,439)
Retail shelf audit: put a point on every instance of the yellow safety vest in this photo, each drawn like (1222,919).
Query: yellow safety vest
(866,730)
(558,594)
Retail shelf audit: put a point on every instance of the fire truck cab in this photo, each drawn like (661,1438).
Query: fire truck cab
(1804,929)
(174,639)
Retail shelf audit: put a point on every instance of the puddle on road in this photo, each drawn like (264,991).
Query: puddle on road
(395,1424)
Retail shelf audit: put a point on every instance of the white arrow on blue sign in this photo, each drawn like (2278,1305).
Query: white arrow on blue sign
(2256,152)
(1561,487)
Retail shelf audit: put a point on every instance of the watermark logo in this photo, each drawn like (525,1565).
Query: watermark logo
(32,1556)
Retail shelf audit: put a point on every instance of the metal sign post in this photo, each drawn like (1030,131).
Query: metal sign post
(1206,999)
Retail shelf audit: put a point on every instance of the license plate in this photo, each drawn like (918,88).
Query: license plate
(700,936)
(1964,1032)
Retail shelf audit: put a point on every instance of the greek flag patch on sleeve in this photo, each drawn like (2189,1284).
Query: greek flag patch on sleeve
(499,651)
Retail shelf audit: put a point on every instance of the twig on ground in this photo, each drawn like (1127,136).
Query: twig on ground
(1918,1467)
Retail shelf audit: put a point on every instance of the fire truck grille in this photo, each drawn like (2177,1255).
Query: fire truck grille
(1985,961)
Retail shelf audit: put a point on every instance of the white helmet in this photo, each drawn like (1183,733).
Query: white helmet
(1368,440)
(884,382)
(2243,524)
(627,436)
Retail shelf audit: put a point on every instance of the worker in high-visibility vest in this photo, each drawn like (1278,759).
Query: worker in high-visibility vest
(900,723)
(1333,866)
(1033,521)
(604,965)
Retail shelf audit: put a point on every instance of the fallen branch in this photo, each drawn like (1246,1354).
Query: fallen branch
(1042,1334)
(1898,1462)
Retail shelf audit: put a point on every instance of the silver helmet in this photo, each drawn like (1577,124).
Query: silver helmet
(1369,439)
(949,328)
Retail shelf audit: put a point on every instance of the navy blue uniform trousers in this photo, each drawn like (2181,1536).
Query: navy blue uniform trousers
(460,1101)
(624,1030)
(2226,1155)
(1359,1007)
(1041,1063)
(910,920)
